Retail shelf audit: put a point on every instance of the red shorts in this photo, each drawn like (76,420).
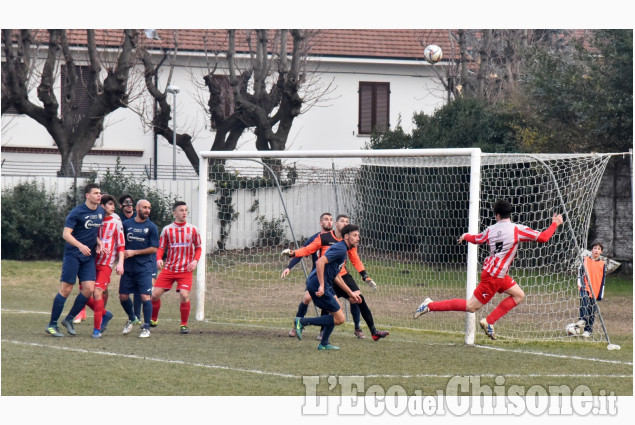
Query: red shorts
(166,279)
(103,277)
(490,286)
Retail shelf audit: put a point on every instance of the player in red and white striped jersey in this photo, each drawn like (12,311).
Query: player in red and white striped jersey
(503,239)
(182,242)
(112,247)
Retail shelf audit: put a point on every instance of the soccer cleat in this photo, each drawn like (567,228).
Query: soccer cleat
(184,329)
(298,328)
(319,337)
(154,323)
(328,347)
(145,333)
(293,333)
(358,333)
(96,333)
(70,328)
(489,329)
(80,317)
(105,319)
(423,308)
(54,331)
(380,334)
(129,325)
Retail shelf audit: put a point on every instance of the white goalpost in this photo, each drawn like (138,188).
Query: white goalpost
(411,206)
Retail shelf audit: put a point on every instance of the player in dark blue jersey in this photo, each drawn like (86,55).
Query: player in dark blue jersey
(81,231)
(320,283)
(142,242)
(326,223)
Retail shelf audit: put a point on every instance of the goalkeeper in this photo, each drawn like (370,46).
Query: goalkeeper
(345,285)
(503,238)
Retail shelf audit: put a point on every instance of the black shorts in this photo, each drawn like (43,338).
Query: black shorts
(350,282)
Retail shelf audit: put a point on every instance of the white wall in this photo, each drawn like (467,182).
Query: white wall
(330,125)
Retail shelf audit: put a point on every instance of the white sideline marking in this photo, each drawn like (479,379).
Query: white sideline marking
(283,375)
(560,356)
(154,359)
(537,353)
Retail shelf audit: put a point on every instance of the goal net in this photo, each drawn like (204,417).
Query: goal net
(411,207)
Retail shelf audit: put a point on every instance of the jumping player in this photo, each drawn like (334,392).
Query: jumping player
(319,284)
(182,241)
(345,285)
(503,239)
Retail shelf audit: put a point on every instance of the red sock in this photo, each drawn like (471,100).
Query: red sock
(90,303)
(185,313)
(156,306)
(98,307)
(501,309)
(456,304)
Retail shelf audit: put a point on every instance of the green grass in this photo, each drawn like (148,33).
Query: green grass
(256,359)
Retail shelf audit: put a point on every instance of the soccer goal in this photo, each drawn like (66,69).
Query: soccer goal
(411,206)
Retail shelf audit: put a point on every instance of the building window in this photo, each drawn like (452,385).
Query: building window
(226,96)
(374,107)
(82,98)
(10,110)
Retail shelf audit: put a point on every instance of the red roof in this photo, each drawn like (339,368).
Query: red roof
(363,43)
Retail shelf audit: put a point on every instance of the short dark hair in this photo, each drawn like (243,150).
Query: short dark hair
(326,213)
(597,243)
(125,196)
(503,208)
(178,204)
(342,216)
(349,228)
(90,187)
(105,198)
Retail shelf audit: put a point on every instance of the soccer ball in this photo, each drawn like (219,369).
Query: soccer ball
(572,330)
(432,53)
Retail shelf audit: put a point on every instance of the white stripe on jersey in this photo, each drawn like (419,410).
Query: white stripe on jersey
(111,235)
(503,238)
(180,243)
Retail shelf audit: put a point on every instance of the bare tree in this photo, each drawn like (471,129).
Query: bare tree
(263,89)
(73,129)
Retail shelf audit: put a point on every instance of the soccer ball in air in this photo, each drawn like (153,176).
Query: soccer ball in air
(432,53)
(572,330)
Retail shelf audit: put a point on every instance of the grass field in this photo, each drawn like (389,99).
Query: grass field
(243,359)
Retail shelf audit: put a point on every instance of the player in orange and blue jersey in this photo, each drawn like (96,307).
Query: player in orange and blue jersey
(503,239)
(593,291)
(319,284)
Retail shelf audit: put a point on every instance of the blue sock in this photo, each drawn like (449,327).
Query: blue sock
(317,321)
(137,305)
(147,312)
(302,309)
(327,333)
(127,307)
(58,307)
(355,312)
(78,305)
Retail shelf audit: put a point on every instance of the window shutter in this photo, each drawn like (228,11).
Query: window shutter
(365,108)
(12,109)
(82,97)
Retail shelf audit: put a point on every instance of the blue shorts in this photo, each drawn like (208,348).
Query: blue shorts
(326,302)
(136,283)
(74,267)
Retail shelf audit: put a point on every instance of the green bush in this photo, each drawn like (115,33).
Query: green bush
(32,223)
